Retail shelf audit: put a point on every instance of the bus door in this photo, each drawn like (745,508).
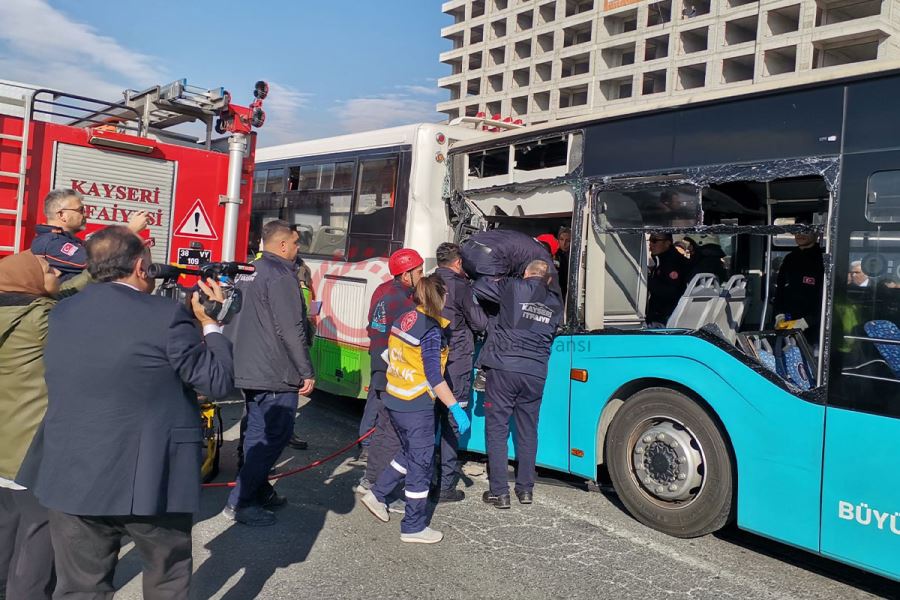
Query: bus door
(860,494)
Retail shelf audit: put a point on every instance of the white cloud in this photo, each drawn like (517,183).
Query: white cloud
(284,122)
(376,112)
(420,89)
(46,47)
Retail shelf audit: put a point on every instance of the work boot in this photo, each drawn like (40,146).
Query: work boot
(254,516)
(473,469)
(272,500)
(297,444)
(524,497)
(426,536)
(398,507)
(376,507)
(450,495)
(480,378)
(501,501)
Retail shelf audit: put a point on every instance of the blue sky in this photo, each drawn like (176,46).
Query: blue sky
(335,66)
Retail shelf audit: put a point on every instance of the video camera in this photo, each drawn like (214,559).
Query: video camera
(222,272)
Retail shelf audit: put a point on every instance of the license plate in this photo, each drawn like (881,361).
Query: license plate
(193,258)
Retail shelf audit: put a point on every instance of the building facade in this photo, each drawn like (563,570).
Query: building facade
(541,60)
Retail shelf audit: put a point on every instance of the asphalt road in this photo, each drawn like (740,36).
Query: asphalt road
(572,543)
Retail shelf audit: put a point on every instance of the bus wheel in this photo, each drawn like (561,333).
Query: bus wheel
(669,464)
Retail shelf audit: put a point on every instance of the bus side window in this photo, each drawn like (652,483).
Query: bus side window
(867,316)
(374,212)
(883,197)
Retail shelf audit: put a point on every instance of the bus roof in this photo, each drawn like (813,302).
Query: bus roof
(392,136)
(809,78)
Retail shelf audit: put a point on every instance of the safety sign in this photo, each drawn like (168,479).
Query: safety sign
(197,224)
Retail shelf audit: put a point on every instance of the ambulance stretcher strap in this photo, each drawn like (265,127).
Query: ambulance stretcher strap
(311,465)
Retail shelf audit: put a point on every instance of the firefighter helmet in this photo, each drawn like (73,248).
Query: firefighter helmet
(403,260)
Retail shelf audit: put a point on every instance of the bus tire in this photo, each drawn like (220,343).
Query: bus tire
(670,464)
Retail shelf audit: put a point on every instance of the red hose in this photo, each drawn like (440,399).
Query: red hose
(311,465)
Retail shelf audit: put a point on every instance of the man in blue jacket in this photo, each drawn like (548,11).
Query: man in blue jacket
(515,357)
(272,367)
(466,317)
(118,452)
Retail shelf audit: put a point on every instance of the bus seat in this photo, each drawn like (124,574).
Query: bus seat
(328,240)
(698,303)
(730,309)
(886,330)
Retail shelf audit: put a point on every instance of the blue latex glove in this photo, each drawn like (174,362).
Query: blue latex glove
(462,419)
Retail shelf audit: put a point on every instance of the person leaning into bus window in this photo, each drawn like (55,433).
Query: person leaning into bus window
(515,357)
(390,300)
(417,350)
(56,241)
(798,289)
(705,255)
(29,288)
(466,317)
(666,279)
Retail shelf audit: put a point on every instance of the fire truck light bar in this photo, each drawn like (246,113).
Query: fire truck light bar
(121,142)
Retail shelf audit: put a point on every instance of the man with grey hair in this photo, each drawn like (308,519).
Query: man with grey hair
(56,241)
(515,357)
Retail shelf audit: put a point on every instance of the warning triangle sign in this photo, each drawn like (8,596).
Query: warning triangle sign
(197,224)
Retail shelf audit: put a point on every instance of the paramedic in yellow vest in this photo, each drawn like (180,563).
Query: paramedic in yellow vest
(417,354)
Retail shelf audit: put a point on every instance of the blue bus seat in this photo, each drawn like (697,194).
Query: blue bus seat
(886,330)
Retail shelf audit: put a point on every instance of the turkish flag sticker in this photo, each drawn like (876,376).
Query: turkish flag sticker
(809,280)
(69,249)
(673,275)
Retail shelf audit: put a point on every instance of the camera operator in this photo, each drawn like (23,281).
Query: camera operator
(272,368)
(119,449)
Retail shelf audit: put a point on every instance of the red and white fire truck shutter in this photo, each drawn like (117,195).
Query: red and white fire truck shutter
(115,185)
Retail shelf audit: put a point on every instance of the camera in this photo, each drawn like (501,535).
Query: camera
(223,272)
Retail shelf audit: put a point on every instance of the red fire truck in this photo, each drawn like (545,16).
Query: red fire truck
(128,156)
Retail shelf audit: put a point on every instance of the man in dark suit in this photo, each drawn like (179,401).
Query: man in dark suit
(120,445)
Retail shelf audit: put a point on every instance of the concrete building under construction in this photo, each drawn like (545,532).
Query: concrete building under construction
(541,60)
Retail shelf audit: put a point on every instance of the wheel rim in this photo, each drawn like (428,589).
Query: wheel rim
(667,461)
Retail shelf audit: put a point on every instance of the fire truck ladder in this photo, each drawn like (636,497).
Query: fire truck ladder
(19,176)
(164,106)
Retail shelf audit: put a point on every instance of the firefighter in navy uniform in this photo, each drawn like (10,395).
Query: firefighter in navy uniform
(666,280)
(798,290)
(466,317)
(418,351)
(390,300)
(515,357)
(56,241)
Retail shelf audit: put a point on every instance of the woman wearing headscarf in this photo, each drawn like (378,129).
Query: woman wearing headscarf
(29,288)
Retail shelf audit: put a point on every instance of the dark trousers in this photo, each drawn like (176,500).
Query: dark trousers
(385,445)
(458,375)
(413,463)
(26,554)
(517,395)
(270,424)
(370,412)
(87,550)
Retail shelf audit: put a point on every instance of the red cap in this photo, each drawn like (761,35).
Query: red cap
(548,239)
(403,260)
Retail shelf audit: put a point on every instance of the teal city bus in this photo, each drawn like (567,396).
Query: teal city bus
(720,416)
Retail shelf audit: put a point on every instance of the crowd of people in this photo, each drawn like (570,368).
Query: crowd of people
(100,431)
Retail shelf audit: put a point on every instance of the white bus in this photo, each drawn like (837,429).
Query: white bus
(354,199)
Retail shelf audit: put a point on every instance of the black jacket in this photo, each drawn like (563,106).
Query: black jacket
(707,259)
(521,337)
(270,334)
(122,432)
(798,290)
(504,252)
(464,313)
(62,250)
(666,282)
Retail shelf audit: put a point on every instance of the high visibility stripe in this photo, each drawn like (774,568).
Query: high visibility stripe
(397,467)
(416,495)
(405,336)
(406,393)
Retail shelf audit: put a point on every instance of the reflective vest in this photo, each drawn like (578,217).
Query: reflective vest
(406,371)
